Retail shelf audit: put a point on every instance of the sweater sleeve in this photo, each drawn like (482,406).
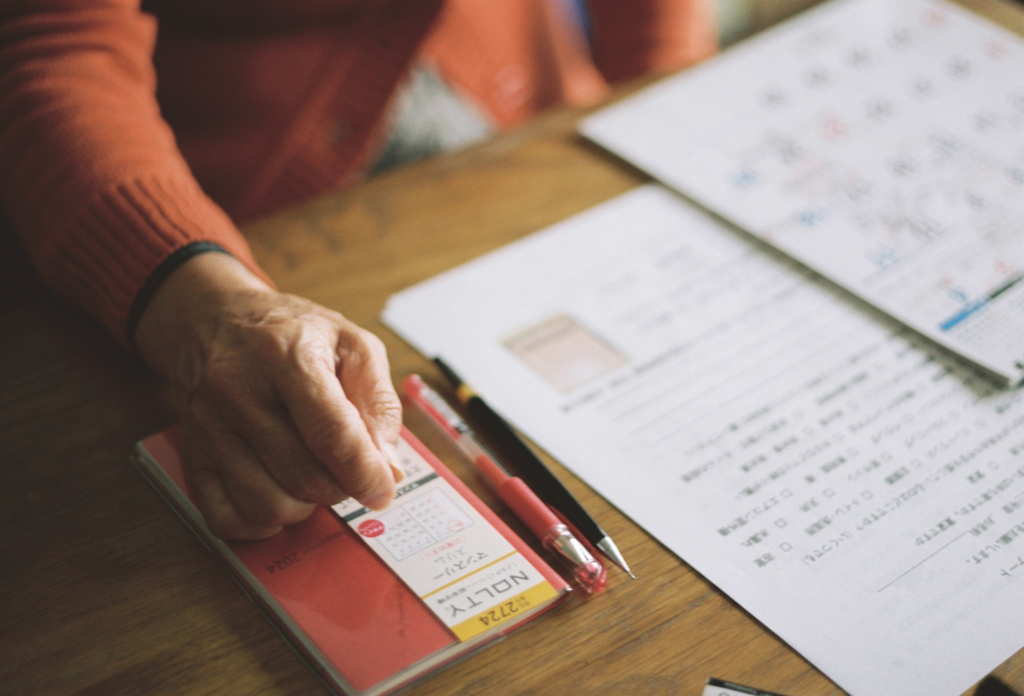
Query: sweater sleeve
(90,175)
(641,36)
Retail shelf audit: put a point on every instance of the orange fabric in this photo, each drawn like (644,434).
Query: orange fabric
(633,38)
(514,59)
(91,177)
(104,131)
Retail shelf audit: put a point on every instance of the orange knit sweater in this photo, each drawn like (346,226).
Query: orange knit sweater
(106,171)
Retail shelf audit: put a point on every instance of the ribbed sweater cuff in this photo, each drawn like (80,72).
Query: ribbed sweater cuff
(104,259)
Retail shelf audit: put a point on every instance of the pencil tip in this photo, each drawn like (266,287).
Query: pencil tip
(609,549)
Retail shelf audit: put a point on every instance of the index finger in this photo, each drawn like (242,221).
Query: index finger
(333,428)
(366,378)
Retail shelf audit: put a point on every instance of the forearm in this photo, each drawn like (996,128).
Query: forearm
(92,179)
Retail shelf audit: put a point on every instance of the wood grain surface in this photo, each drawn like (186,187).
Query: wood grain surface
(104,592)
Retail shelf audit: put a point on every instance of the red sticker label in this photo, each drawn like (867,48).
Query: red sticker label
(371,528)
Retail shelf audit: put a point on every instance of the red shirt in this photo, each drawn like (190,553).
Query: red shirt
(114,145)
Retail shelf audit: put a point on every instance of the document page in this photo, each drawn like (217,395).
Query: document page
(859,495)
(880,143)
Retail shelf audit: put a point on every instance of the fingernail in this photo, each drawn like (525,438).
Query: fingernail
(395,460)
(380,502)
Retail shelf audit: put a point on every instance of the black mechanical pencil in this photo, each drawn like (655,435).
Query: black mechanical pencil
(509,446)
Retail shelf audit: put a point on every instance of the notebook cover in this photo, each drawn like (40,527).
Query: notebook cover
(353,620)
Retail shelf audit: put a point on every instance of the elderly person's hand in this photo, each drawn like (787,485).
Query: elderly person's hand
(283,404)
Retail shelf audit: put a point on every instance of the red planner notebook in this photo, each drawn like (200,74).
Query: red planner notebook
(331,585)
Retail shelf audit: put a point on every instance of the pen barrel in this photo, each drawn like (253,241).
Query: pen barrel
(494,474)
(527,506)
(588,572)
(511,448)
(431,404)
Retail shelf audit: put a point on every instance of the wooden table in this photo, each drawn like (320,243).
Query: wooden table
(103,591)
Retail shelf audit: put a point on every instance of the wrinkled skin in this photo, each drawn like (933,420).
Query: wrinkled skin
(283,404)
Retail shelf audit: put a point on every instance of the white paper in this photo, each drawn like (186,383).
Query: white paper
(880,143)
(860,497)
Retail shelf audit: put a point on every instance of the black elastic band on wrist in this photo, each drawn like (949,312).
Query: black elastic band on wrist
(157,278)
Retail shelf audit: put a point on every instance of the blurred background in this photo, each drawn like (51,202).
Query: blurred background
(738,18)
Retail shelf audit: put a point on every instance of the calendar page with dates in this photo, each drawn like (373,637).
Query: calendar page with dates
(879,143)
(465,571)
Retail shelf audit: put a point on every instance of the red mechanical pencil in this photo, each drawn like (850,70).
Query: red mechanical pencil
(590,573)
